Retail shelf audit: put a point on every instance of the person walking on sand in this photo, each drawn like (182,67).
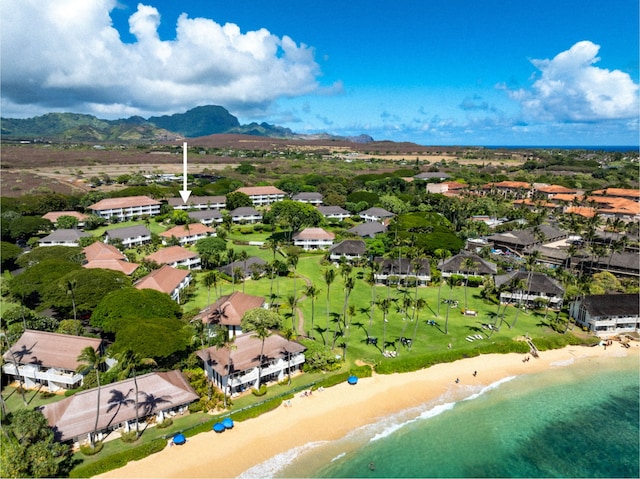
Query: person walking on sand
(475,373)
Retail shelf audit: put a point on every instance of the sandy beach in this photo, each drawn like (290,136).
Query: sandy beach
(332,413)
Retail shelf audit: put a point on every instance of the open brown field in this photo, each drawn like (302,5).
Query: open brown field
(62,168)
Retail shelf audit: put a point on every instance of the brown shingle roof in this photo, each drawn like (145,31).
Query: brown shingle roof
(228,310)
(102,251)
(182,230)
(125,202)
(53,216)
(75,416)
(50,350)
(313,233)
(112,264)
(247,352)
(171,254)
(260,190)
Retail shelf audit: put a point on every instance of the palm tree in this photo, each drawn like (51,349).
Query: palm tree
(243,256)
(289,335)
(312,292)
(129,361)
(90,359)
(329,276)
(520,286)
(14,361)
(440,254)
(222,339)
(292,302)
(211,279)
(468,265)
(371,280)
(72,285)
(384,305)
(418,306)
(292,260)
(349,283)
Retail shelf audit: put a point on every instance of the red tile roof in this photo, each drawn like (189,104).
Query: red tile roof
(53,216)
(100,250)
(260,190)
(313,234)
(165,279)
(228,310)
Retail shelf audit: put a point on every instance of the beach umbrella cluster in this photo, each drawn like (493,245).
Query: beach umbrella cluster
(226,423)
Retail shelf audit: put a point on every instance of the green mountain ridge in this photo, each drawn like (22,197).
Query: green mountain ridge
(197,122)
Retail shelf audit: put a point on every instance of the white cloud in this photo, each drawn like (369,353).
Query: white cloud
(571,89)
(66,54)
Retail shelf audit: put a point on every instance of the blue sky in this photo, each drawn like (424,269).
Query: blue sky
(455,72)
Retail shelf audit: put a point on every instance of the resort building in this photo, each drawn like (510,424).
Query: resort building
(175,256)
(334,212)
(130,236)
(63,238)
(47,359)
(312,198)
(228,311)
(244,268)
(238,369)
(263,195)
(529,289)
(159,395)
(206,217)
(513,189)
(348,250)
(105,256)
(608,315)
(447,188)
(368,230)
(187,234)
(199,203)
(126,208)
(246,214)
(457,265)
(313,238)
(54,216)
(379,215)
(167,280)
(518,240)
(403,271)
(432,176)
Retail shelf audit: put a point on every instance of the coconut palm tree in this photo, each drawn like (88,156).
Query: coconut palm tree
(14,361)
(349,283)
(371,280)
(384,305)
(292,302)
(292,261)
(89,360)
(222,339)
(129,361)
(329,277)
(243,256)
(440,254)
(468,265)
(71,286)
(312,292)
(211,279)
(418,306)
(289,335)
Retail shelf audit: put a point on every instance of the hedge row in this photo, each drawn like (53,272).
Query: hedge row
(120,459)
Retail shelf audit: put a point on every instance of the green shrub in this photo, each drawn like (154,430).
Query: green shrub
(46,394)
(87,450)
(165,424)
(257,410)
(259,392)
(197,406)
(128,437)
(115,461)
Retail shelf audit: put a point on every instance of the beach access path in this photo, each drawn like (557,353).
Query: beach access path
(334,412)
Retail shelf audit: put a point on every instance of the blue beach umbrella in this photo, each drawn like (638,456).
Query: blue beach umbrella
(352,380)
(227,422)
(179,439)
(218,427)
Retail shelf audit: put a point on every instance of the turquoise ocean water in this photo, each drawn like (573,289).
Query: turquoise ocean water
(578,419)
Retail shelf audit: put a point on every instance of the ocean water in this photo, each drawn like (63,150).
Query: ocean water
(578,419)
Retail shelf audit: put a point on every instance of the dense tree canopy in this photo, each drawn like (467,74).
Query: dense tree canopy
(28,446)
(9,253)
(60,253)
(32,285)
(237,199)
(293,215)
(24,227)
(89,287)
(133,303)
(152,337)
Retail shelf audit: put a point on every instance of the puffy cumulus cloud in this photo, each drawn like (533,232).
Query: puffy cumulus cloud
(570,88)
(66,54)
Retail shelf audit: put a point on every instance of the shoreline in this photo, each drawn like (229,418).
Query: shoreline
(334,412)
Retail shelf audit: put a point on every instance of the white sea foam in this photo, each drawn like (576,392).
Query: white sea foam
(272,466)
(566,362)
(339,456)
(490,387)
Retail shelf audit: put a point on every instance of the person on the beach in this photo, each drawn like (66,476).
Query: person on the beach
(457,380)
(475,373)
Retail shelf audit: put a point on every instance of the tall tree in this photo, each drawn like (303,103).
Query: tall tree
(312,292)
(129,361)
(91,360)
(468,265)
(329,277)
(440,254)
(261,322)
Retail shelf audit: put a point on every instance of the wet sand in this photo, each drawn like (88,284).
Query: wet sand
(332,413)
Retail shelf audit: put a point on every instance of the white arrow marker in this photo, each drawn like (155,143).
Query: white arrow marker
(184,193)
